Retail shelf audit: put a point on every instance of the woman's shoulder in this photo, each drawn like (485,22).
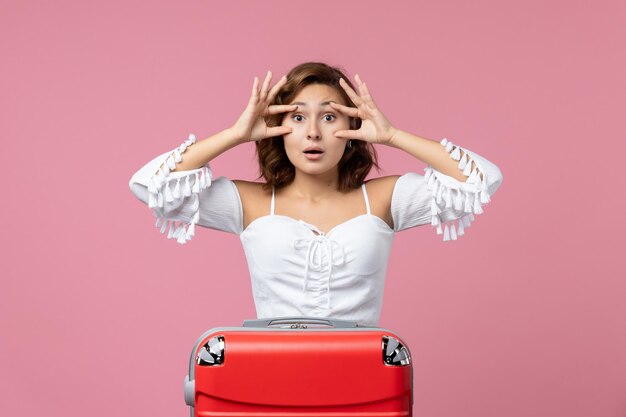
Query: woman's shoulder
(255,199)
(379,193)
(250,190)
(250,186)
(381,187)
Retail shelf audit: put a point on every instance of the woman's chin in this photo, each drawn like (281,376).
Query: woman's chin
(310,169)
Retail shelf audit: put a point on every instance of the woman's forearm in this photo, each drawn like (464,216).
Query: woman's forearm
(201,152)
(428,151)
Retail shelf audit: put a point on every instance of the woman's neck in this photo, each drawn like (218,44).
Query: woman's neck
(314,187)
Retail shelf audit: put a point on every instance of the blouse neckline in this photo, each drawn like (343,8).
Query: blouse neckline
(299,221)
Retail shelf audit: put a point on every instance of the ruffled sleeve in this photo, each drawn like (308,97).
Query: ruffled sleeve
(443,201)
(181,199)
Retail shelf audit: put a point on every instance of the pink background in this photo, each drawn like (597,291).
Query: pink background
(524,316)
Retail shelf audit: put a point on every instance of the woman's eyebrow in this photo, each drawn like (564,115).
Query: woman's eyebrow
(325,103)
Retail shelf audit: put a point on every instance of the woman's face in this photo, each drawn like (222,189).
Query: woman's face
(314,124)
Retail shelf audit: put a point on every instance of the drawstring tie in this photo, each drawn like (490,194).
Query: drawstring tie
(316,247)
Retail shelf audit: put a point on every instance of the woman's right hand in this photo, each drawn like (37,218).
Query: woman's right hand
(251,124)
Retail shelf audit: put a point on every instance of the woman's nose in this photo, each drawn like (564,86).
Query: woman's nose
(313,132)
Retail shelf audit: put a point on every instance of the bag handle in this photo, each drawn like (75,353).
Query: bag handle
(295,322)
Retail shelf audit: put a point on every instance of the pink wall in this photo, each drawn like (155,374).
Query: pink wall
(524,316)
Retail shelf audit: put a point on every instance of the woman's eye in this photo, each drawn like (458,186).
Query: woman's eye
(332,116)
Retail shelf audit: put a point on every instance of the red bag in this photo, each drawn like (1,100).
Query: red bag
(300,366)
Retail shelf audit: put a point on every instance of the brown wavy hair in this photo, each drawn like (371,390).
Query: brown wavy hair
(274,165)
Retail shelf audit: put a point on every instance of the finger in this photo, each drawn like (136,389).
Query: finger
(349,134)
(350,111)
(278,130)
(351,93)
(255,90)
(276,88)
(281,108)
(366,93)
(266,84)
(359,84)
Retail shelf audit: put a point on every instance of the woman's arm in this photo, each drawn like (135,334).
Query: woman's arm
(178,185)
(457,181)
(250,126)
(429,151)
(201,153)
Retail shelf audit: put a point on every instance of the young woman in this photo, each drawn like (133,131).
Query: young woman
(316,235)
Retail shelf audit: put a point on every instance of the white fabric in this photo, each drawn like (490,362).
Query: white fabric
(338,274)
(216,205)
(296,272)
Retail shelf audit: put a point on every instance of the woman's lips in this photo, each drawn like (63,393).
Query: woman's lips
(313,156)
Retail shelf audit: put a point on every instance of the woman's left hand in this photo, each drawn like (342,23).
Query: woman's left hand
(375,127)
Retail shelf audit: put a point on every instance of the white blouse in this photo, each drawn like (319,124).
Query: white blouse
(297,270)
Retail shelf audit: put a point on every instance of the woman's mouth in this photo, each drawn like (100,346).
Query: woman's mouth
(313,154)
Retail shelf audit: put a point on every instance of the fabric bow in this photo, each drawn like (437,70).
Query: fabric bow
(316,247)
